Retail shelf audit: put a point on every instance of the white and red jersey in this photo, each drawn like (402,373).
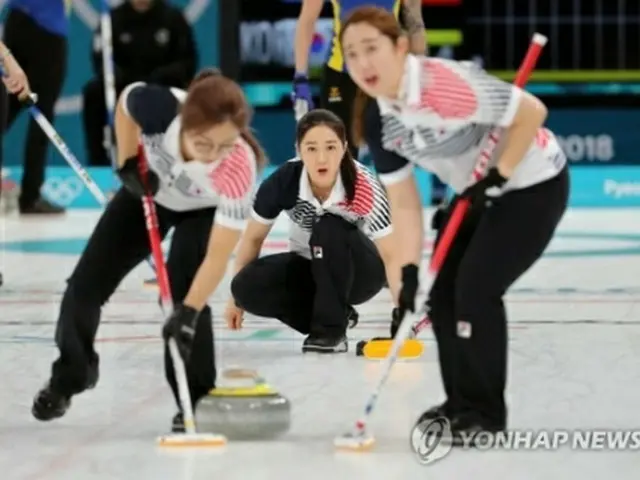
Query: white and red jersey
(228,184)
(442,120)
(288,190)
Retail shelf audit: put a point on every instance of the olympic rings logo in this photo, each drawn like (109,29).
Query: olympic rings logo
(90,17)
(62,190)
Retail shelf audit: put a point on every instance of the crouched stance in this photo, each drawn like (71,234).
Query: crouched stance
(335,207)
(202,174)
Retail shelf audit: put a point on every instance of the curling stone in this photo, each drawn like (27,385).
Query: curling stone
(253,412)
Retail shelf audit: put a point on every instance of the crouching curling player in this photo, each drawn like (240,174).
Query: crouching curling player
(340,240)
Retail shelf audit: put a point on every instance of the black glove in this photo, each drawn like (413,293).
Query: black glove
(487,189)
(408,291)
(439,217)
(396,320)
(181,326)
(130,177)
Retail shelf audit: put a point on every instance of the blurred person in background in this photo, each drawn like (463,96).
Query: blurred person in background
(337,90)
(14,81)
(35,31)
(152,43)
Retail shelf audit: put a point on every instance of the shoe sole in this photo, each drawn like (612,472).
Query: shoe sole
(47,418)
(151,285)
(325,350)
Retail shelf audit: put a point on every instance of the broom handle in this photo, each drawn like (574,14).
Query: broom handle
(151,222)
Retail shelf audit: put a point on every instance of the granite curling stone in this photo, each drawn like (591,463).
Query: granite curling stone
(253,412)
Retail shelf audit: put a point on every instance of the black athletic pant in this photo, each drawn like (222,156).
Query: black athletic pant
(313,296)
(117,245)
(94,119)
(492,250)
(337,94)
(43,57)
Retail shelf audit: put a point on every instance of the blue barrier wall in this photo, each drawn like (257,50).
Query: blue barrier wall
(203,15)
(591,137)
(607,186)
(600,143)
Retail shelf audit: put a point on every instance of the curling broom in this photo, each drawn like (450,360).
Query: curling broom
(108,79)
(30,101)
(379,347)
(190,438)
(359,438)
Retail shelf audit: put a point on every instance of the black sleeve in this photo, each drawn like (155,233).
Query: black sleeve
(181,67)
(390,166)
(152,107)
(277,192)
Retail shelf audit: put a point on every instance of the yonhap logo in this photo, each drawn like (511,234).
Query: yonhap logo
(431,440)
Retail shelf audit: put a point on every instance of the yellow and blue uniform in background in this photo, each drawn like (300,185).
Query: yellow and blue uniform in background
(337,90)
(341,9)
(52,15)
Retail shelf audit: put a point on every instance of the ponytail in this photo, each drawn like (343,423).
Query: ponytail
(357,124)
(349,174)
(261,158)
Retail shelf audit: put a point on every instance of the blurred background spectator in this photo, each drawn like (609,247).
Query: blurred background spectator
(588,75)
(152,42)
(36,33)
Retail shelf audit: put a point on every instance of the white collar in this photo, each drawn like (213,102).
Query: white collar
(337,194)
(409,93)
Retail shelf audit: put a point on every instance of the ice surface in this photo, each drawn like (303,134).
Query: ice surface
(574,363)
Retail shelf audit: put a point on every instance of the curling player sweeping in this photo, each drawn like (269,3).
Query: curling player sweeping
(340,238)
(438,115)
(203,166)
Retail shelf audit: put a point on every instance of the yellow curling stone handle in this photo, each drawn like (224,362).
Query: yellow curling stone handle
(255,391)
(259,389)
(241,373)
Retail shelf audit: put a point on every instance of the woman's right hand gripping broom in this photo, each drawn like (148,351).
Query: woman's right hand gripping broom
(408,291)
(14,77)
(233,315)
